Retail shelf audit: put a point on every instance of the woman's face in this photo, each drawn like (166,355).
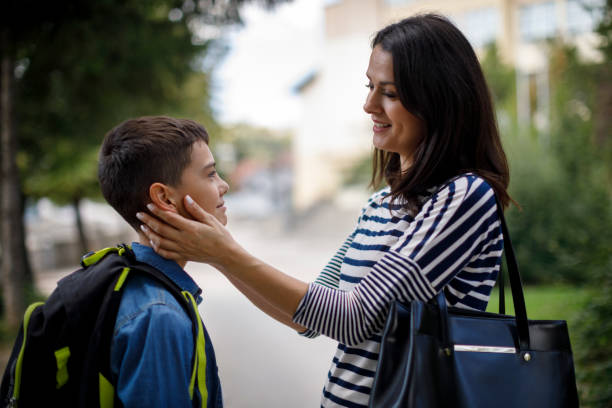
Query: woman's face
(395,129)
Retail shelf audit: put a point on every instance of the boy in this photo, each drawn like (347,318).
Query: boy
(159,160)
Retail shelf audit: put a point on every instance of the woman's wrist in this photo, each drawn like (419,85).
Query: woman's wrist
(234,259)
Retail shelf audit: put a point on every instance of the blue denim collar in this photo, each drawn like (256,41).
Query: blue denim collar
(169,267)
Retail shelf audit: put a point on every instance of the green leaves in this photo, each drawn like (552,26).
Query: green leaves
(559,176)
(87,73)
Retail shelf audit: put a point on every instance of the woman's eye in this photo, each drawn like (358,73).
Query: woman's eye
(388,94)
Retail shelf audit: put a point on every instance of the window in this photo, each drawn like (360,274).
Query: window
(583,16)
(398,2)
(537,21)
(480,26)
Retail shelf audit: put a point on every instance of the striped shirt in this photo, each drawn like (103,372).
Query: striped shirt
(454,243)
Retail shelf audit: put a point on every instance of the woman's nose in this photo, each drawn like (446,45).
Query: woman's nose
(371,105)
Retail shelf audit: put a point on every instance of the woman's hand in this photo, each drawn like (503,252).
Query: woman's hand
(203,239)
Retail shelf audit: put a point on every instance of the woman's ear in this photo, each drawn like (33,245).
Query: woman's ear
(163,196)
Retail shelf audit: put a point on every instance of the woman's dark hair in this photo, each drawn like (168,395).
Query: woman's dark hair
(439,80)
(140,152)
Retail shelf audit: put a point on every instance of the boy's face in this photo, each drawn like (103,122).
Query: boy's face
(201,181)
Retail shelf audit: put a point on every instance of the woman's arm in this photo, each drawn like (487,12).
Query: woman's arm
(329,276)
(183,249)
(264,305)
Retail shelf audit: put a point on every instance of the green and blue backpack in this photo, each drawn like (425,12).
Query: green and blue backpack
(61,356)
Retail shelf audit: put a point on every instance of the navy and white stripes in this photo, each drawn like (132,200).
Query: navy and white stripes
(453,244)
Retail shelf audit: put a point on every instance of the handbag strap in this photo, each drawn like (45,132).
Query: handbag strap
(516,284)
(502,294)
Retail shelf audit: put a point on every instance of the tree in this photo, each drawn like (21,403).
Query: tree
(78,67)
(12,232)
(135,64)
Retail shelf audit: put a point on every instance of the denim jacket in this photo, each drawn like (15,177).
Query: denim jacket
(152,346)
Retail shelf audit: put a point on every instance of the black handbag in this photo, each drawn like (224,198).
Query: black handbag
(437,356)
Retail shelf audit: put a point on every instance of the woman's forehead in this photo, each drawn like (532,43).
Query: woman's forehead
(380,67)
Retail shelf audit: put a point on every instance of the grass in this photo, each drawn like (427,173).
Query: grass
(549,302)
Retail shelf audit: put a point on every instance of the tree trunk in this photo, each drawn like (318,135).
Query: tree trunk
(82,236)
(13,265)
(28,277)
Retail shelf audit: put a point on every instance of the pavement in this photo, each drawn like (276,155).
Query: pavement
(263,363)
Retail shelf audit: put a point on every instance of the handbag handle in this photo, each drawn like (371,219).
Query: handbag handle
(516,285)
(501,290)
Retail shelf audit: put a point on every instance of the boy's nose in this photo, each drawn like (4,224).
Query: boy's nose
(224,187)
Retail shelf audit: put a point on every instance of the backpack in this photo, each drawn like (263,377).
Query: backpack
(61,356)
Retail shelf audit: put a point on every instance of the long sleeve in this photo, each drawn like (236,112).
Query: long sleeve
(453,227)
(330,276)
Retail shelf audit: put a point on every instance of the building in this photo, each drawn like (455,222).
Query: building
(335,131)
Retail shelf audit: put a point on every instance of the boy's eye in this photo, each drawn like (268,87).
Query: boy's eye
(212,173)
(370,86)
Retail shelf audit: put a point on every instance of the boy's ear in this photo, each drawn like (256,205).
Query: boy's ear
(162,196)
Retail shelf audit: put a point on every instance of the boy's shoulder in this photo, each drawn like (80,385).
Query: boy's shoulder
(146,297)
(170,270)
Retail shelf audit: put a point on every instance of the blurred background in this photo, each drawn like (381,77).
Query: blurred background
(279,85)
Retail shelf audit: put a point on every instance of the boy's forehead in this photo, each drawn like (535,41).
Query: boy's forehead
(201,154)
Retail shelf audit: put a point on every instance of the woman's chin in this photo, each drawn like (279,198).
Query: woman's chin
(380,142)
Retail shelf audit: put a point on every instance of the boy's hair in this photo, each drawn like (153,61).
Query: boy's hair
(140,152)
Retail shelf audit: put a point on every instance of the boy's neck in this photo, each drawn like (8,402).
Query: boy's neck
(143,240)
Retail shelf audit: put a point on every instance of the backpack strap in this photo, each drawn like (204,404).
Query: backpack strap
(199,355)
(99,371)
(91,258)
(97,388)
(13,383)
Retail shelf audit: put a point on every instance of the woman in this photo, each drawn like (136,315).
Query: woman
(434,228)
